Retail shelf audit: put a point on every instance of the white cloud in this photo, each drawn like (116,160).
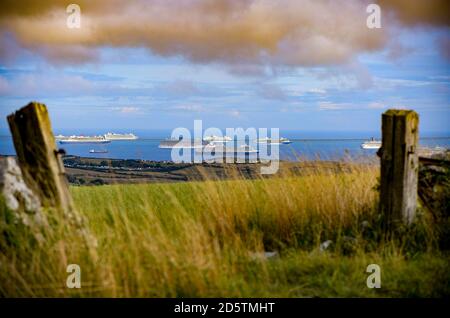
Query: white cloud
(332,106)
(4,86)
(400,107)
(189,108)
(376,105)
(128,109)
(317,91)
(235,113)
(32,85)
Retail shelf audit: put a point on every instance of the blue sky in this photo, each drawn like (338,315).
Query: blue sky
(138,88)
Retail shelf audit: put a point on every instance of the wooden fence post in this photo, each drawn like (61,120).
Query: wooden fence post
(399,167)
(39,160)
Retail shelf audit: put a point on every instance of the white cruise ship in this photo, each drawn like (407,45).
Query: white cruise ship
(113,136)
(217,139)
(371,144)
(220,149)
(59,137)
(84,139)
(181,144)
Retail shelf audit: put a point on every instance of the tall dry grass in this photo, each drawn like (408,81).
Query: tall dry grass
(208,239)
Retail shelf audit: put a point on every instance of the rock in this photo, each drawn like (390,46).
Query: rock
(365,224)
(14,189)
(263,255)
(325,245)
(21,200)
(25,206)
(270,254)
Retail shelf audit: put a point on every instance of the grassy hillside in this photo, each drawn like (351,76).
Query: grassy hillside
(208,239)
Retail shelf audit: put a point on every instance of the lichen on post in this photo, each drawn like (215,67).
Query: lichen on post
(39,160)
(399,167)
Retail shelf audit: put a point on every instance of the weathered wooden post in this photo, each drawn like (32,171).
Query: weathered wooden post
(399,167)
(39,160)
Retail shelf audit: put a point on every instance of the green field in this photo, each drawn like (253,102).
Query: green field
(207,239)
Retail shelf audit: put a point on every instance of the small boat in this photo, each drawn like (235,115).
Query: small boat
(371,144)
(246,149)
(268,140)
(98,151)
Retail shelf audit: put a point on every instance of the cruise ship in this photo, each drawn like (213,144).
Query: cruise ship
(217,139)
(114,136)
(268,140)
(181,144)
(220,149)
(247,149)
(84,139)
(371,144)
(59,137)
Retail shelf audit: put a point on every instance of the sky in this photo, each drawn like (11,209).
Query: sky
(291,64)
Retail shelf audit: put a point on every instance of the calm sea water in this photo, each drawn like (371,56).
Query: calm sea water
(307,145)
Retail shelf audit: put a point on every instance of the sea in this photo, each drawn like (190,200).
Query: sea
(306,145)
